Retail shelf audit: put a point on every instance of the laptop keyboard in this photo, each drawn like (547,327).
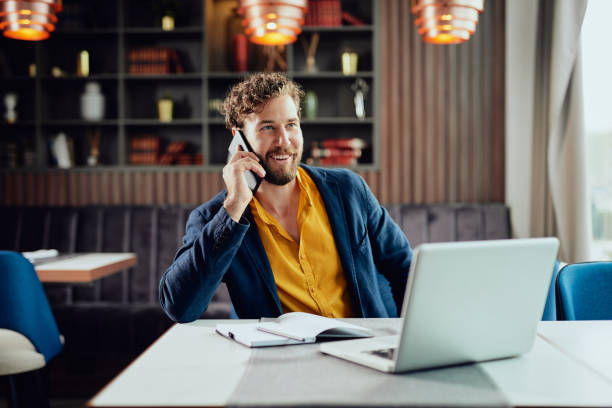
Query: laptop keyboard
(388,353)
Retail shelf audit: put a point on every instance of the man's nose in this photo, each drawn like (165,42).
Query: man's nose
(283,137)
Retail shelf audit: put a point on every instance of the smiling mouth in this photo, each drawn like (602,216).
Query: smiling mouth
(281,157)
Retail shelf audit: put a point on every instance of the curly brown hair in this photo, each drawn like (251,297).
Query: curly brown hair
(252,95)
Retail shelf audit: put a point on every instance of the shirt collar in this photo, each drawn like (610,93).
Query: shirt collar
(305,198)
(302,177)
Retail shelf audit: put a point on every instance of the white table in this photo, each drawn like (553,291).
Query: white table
(191,365)
(84,267)
(589,342)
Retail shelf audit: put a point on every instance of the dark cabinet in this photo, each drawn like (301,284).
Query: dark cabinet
(137,64)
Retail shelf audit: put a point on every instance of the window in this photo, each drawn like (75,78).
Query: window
(597,83)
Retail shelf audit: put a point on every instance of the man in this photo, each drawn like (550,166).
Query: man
(310,239)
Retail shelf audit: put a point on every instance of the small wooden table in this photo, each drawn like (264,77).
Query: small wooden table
(83,268)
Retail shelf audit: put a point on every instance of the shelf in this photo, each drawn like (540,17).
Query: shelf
(119,168)
(164,77)
(317,121)
(18,124)
(79,122)
(155,122)
(96,77)
(158,30)
(50,104)
(209,168)
(295,74)
(86,31)
(331,75)
(338,29)
(17,78)
(228,74)
(337,121)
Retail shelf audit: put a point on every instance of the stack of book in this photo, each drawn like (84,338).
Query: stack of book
(144,150)
(336,152)
(153,60)
(184,159)
(324,13)
(174,154)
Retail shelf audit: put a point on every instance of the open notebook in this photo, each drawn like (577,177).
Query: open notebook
(290,328)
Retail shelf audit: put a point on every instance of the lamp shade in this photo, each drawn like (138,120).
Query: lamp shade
(28,19)
(272,22)
(446,21)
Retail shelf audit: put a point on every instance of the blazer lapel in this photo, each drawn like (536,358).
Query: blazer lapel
(331,192)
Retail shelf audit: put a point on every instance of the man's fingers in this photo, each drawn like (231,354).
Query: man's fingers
(247,163)
(240,154)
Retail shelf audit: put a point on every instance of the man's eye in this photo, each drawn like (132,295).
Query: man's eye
(267,127)
(293,124)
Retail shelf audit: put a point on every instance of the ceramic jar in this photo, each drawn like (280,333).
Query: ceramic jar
(92,102)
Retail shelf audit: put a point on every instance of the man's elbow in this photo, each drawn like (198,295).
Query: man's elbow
(176,309)
(173,308)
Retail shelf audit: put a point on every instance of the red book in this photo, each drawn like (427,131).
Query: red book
(335,13)
(337,161)
(172,152)
(351,19)
(354,143)
(325,13)
(336,152)
(316,12)
(143,150)
(184,159)
(241,53)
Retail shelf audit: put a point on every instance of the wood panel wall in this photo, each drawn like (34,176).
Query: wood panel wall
(64,188)
(441,134)
(442,112)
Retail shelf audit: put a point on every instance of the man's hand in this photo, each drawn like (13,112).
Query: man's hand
(238,192)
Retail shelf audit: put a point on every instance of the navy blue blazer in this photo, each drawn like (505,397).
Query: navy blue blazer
(374,252)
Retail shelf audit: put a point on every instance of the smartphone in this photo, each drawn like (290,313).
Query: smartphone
(252,179)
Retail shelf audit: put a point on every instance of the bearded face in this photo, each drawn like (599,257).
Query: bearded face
(281,164)
(276,138)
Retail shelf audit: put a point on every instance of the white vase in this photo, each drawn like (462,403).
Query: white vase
(10,100)
(92,102)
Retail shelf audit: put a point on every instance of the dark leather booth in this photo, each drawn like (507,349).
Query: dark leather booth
(109,323)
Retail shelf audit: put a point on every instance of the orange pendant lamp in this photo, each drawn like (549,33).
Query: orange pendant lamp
(272,22)
(28,19)
(446,21)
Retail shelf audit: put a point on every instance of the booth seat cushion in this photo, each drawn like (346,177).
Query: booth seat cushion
(451,222)
(110,322)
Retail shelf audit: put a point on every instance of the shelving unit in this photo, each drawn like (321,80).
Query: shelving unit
(48,104)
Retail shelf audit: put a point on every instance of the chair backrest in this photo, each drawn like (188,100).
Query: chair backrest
(24,307)
(550,308)
(584,291)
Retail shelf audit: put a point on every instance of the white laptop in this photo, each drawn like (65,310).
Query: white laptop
(464,302)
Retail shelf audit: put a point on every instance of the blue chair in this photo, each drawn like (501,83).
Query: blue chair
(550,308)
(29,336)
(584,291)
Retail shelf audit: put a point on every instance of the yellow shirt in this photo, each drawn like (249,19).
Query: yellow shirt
(309,276)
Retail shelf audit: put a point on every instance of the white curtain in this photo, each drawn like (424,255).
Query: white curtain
(552,199)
